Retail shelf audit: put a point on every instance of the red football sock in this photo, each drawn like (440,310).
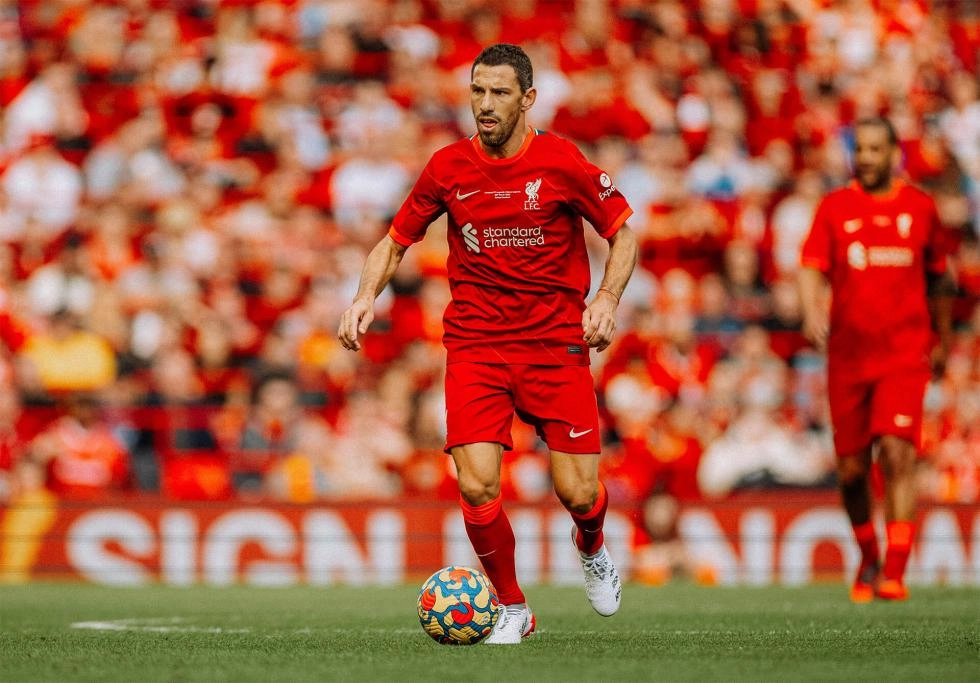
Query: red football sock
(493,540)
(867,541)
(589,536)
(899,545)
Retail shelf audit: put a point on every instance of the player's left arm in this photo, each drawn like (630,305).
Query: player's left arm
(942,292)
(599,318)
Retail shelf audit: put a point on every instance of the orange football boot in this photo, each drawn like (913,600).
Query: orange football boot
(865,584)
(892,589)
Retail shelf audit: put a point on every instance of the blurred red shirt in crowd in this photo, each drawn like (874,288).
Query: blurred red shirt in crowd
(84,458)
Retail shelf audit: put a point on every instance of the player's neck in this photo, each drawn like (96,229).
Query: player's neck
(513,145)
(883,191)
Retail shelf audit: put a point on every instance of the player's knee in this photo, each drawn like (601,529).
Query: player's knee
(851,472)
(578,498)
(897,456)
(477,492)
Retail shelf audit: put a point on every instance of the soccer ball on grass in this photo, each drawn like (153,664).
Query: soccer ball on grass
(458,606)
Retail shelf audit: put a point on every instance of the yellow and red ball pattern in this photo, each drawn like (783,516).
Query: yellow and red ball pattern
(458,606)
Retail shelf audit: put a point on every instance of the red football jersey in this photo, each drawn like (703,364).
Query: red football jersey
(876,250)
(518,266)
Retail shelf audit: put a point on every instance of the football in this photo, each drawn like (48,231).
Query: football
(458,606)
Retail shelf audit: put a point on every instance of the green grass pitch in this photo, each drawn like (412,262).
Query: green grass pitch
(78,632)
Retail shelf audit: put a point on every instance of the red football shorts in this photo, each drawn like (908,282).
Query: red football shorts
(862,409)
(557,400)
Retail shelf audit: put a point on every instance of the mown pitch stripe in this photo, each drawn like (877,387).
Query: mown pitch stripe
(164,625)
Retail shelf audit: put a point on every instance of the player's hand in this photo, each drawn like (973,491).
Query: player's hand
(816,328)
(599,321)
(938,358)
(355,322)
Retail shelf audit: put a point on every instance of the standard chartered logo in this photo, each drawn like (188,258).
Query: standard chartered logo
(471,238)
(516,237)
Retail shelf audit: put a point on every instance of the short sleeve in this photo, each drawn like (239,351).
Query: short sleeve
(816,250)
(594,196)
(423,205)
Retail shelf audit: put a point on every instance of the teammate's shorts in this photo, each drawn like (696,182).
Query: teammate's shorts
(864,409)
(557,400)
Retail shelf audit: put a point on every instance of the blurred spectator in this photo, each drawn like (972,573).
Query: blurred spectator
(656,470)
(283,449)
(716,324)
(84,459)
(681,364)
(131,162)
(743,277)
(42,186)
(66,357)
(757,451)
(66,283)
(49,107)
(723,171)
(952,474)
(17,429)
(372,445)
(368,186)
(785,320)
(791,221)
(960,122)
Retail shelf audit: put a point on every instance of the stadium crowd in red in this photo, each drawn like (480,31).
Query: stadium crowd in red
(188,190)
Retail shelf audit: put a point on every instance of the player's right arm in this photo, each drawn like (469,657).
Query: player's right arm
(815,262)
(816,319)
(378,270)
(422,206)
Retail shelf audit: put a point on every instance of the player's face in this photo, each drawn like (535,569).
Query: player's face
(498,103)
(874,156)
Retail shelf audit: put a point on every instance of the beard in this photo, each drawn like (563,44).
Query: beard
(499,136)
(874,179)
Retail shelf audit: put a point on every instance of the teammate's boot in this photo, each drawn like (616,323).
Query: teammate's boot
(514,623)
(602,584)
(892,589)
(865,583)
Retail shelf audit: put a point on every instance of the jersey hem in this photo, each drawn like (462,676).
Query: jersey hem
(500,354)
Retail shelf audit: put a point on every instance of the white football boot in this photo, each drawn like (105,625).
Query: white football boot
(602,584)
(513,623)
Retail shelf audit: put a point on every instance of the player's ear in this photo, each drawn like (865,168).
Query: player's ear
(527,99)
(897,156)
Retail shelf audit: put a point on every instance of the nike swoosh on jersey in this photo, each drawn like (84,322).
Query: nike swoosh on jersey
(461,197)
(573,434)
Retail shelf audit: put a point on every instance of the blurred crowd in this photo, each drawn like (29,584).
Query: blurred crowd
(188,190)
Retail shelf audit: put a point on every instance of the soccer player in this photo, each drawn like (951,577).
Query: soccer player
(879,243)
(518,329)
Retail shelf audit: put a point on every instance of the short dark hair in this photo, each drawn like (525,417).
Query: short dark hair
(513,56)
(879,122)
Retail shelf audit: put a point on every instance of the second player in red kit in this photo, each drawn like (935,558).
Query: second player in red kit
(879,244)
(519,328)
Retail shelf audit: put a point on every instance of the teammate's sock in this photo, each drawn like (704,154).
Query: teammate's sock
(493,540)
(589,537)
(897,553)
(867,541)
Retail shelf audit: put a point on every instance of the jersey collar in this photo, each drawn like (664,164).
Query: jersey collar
(897,185)
(531,134)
